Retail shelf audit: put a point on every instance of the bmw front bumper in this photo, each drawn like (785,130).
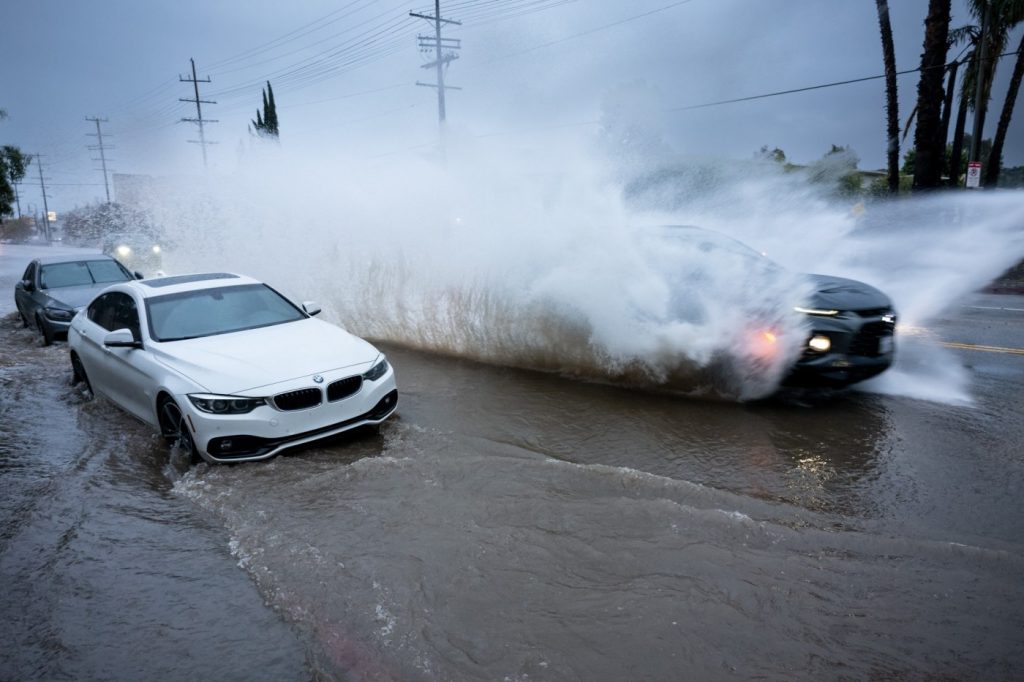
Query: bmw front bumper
(268,431)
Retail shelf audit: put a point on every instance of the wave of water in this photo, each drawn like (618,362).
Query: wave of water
(541,257)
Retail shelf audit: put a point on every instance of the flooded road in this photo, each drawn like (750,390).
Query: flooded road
(513,525)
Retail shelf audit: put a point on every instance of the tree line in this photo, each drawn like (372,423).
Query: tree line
(985,42)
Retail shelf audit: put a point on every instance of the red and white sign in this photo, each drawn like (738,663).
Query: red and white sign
(974,174)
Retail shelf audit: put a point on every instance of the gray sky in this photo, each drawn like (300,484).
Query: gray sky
(344,74)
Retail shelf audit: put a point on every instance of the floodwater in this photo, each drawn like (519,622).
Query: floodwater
(514,525)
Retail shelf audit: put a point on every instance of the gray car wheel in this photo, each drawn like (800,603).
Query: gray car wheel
(44,330)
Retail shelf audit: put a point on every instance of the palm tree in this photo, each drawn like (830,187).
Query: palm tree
(995,157)
(928,143)
(998,19)
(972,35)
(891,102)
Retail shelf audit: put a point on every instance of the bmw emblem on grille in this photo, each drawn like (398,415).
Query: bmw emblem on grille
(318,379)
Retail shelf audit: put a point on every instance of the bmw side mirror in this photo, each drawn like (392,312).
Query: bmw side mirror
(121,338)
(311,308)
(138,275)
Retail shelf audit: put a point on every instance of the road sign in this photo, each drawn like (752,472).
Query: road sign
(974,174)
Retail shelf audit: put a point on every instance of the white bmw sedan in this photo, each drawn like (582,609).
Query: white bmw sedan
(226,367)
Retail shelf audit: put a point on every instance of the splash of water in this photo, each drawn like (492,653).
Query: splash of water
(543,257)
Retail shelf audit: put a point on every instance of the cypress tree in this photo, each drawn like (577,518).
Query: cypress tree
(266,121)
(271,112)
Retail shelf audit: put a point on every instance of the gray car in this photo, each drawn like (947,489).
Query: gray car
(850,325)
(851,335)
(54,288)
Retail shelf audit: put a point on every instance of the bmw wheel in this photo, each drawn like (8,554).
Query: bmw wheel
(78,373)
(174,429)
(24,319)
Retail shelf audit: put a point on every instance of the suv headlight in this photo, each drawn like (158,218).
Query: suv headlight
(224,404)
(378,370)
(59,314)
(820,312)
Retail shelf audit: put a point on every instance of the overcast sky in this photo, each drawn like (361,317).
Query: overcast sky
(344,75)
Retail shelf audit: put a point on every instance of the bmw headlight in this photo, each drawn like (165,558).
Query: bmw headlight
(378,370)
(224,404)
(59,314)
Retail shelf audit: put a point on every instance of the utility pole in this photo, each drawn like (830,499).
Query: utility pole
(199,109)
(46,207)
(101,148)
(441,59)
(17,199)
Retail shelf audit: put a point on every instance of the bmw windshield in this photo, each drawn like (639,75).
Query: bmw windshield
(221,310)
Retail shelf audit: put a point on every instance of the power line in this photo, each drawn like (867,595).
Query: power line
(365,47)
(812,87)
(287,37)
(588,32)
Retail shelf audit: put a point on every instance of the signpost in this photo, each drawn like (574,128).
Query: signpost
(974,175)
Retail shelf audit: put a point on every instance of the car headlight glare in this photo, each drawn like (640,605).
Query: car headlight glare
(821,312)
(819,343)
(124,251)
(59,314)
(156,248)
(225,404)
(377,371)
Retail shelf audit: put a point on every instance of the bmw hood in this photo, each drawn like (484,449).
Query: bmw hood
(244,361)
(839,293)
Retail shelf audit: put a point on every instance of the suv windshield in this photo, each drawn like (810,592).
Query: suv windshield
(221,310)
(81,273)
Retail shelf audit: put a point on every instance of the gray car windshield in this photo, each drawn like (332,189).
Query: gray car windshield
(221,310)
(81,273)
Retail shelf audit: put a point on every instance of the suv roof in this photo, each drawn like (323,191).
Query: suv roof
(72,258)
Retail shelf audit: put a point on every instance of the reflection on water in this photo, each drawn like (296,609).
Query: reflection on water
(506,525)
(106,574)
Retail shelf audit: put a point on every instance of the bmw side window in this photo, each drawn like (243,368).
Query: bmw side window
(102,311)
(126,315)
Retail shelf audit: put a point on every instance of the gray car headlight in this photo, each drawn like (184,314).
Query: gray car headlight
(224,404)
(819,312)
(377,371)
(59,314)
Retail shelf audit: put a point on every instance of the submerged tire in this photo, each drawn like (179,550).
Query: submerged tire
(174,429)
(44,331)
(78,373)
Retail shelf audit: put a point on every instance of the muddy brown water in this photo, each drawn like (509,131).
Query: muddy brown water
(512,525)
